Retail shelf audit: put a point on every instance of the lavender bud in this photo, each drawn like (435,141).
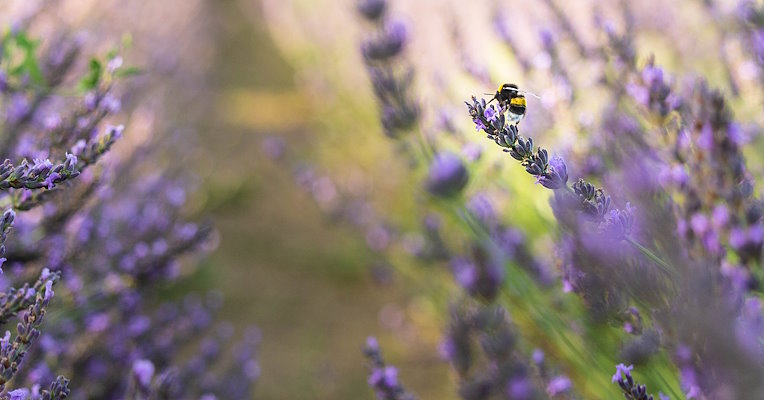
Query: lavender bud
(447,175)
(372,9)
(19,394)
(556,176)
(559,384)
(388,43)
(143,370)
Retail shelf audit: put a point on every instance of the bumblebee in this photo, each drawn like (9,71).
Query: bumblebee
(512,100)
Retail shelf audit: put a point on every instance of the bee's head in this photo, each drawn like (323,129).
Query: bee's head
(509,88)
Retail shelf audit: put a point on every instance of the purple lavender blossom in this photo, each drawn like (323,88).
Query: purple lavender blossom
(372,9)
(490,114)
(479,125)
(521,389)
(480,276)
(120,216)
(388,43)
(631,390)
(557,175)
(621,371)
(19,394)
(398,112)
(447,175)
(480,345)
(143,371)
(383,378)
(559,384)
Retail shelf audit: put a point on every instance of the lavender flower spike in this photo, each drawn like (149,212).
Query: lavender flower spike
(631,390)
(19,394)
(557,174)
(27,332)
(41,174)
(621,371)
(59,389)
(6,222)
(383,378)
(559,384)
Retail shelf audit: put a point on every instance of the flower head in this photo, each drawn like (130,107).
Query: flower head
(621,372)
(556,176)
(447,175)
(143,371)
(559,384)
(490,113)
(479,125)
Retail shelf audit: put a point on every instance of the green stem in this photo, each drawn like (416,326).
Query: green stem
(665,267)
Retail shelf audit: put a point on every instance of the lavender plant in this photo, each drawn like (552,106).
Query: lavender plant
(110,230)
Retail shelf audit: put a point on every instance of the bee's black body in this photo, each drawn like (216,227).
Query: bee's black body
(511,99)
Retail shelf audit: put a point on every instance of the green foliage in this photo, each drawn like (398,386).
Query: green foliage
(19,56)
(93,77)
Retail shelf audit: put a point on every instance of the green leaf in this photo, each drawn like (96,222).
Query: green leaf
(20,42)
(93,77)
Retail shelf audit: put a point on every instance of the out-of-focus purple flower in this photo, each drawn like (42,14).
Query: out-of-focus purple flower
(19,394)
(383,378)
(673,175)
(466,274)
(18,108)
(386,377)
(618,223)
(559,384)
(143,370)
(520,388)
(652,75)
(378,237)
(472,151)
(699,224)
(720,216)
(738,238)
(481,276)
(538,356)
(481,207)
(372,9)
(447,175)
(640,94)
(273,147)
(750,325)
(387,43)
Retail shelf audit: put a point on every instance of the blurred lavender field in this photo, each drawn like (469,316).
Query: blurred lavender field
(320,199)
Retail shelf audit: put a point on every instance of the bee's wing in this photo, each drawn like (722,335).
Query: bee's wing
(530,93)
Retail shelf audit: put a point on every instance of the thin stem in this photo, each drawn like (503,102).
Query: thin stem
(668,269)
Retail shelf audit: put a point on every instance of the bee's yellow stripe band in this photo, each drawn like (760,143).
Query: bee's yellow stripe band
(517,101)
